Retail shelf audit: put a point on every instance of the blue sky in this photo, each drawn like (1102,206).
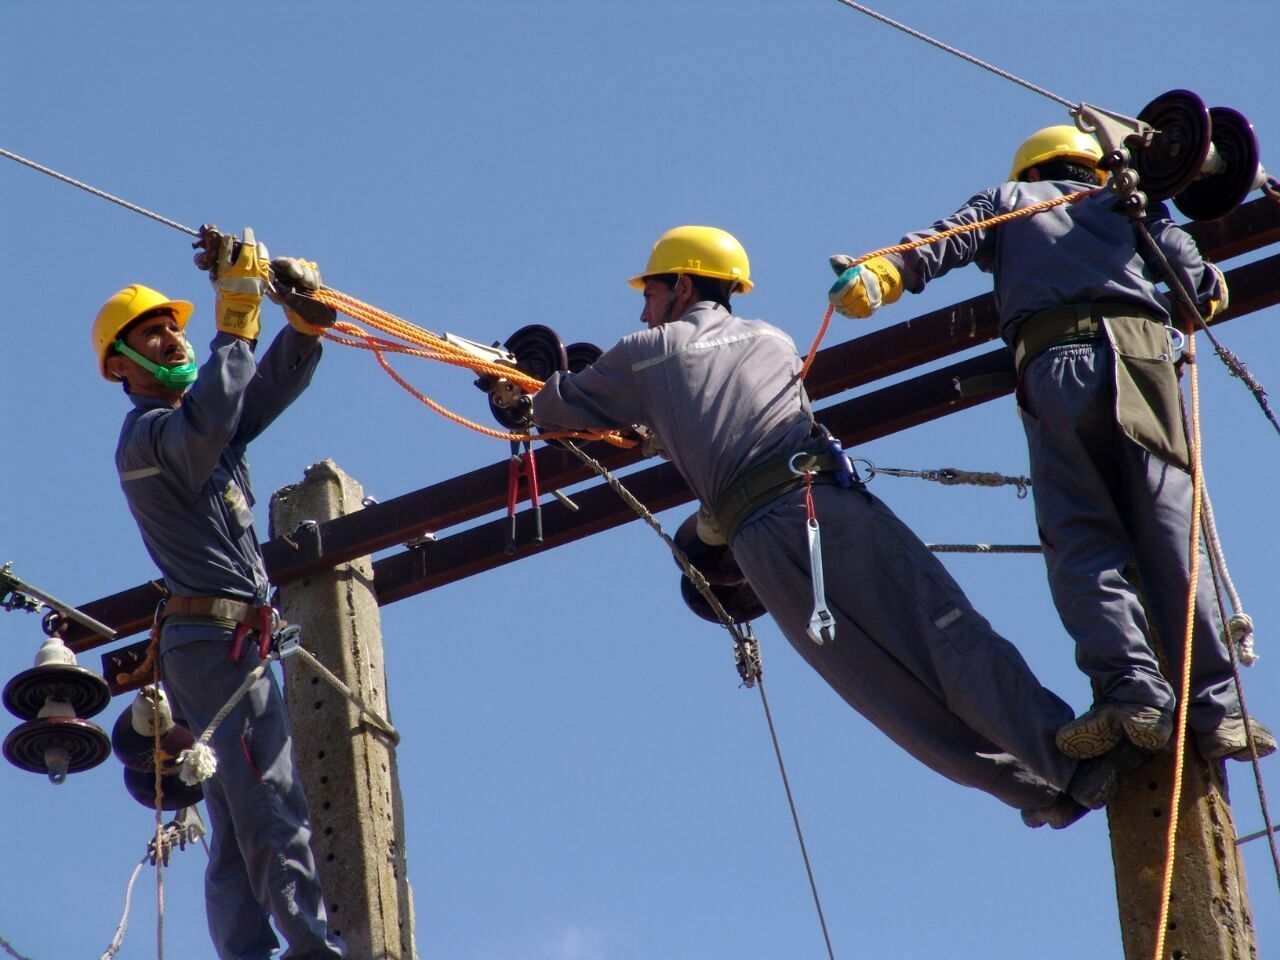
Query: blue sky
(583,778)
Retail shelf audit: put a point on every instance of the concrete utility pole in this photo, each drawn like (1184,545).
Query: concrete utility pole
(348,766)
(1209,914)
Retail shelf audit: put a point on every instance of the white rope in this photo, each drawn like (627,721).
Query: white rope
(198,763)
(1240,626)
(118,940)
(392,733)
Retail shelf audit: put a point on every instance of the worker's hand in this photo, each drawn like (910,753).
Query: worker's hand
(293,282)
(1222,298)
(239,275)
(862,289)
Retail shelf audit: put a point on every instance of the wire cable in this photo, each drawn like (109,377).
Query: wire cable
(99,193)
(958,53)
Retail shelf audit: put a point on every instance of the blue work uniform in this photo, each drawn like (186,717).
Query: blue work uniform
(723,396)
(1104,493)
(185,476)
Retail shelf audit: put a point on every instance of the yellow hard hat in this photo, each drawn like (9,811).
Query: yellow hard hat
(1056,143)
(125,307)
(700,251)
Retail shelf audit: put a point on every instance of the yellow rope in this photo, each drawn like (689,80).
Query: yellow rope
(1180,746)
(937,238)
(431,347)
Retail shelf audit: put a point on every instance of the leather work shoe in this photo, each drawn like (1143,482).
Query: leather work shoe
(1108,723)
(1096,778)
(1063,812)
(1229,741)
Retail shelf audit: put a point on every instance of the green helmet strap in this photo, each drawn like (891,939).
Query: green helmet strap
(181,375)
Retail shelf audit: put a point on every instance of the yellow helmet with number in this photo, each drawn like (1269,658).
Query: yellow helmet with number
(700,251)
(122,309)
(1063,142)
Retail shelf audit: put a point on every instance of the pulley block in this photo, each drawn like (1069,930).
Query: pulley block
(57,746)
(174,794)
(539,352)
(739,601)
(715,563)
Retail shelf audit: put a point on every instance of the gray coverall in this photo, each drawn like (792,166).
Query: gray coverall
(1101,495)
(184,474)
(723,394)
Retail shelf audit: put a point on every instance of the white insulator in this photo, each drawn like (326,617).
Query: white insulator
(197,764)
(151,705)
(54,651)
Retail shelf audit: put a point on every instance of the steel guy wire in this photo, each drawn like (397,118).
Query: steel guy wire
(700,582)
(99,193)
(959,53)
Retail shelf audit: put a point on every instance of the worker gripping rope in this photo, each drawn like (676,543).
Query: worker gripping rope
(181,460)
(903,646)
(1100,403)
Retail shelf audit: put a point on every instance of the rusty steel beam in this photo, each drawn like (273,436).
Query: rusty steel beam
(451,502)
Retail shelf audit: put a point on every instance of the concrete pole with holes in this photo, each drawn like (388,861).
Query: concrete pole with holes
(347,766)
(1209,912)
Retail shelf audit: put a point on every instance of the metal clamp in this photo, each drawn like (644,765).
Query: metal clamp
(287,641)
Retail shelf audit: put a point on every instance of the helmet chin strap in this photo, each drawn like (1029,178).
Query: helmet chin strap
(179,375)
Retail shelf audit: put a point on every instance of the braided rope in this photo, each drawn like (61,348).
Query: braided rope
(198,762)
(1184,694)
(392,733)
(938,238)
(434,347)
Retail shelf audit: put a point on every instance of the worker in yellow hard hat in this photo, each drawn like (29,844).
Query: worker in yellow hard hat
(892,632)
(1097,387)
(181,462)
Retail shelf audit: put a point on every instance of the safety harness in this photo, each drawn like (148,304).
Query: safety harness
(245,617)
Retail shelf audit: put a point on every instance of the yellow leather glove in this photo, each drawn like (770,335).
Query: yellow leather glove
(292,283)
(861,290)
(240,278)
(1222,299)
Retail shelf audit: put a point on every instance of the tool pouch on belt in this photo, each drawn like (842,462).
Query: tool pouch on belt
(1148,399)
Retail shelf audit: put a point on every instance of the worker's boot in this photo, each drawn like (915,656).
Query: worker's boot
(1230,741)
(1063,812)
(1109,723)
(1096,778)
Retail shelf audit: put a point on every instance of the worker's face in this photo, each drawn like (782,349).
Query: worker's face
(159,339)
(659,299)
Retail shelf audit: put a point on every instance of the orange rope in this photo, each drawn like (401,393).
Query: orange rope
(432,347)
(936,238)
(1184,695)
